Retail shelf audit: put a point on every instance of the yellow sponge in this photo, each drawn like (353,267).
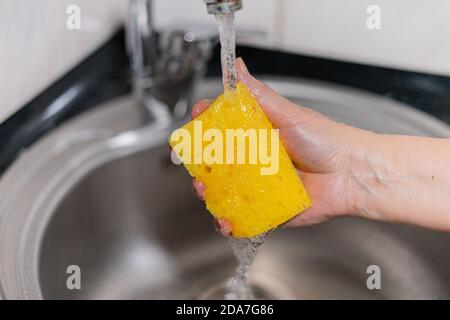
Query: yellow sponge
(255,188)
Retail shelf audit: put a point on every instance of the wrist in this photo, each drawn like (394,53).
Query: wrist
(394,179)
(400,179)
(372,171)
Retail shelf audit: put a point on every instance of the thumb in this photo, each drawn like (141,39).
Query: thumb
(278,109)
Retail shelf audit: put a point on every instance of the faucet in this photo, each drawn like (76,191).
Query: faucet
(165,66)
(223,6)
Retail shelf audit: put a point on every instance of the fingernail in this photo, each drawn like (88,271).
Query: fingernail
(216,225)
(199,189)
(205,101)
(199,107)
(223,226)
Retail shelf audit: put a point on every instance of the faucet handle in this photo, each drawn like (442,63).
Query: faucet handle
(165,65)
(184,52)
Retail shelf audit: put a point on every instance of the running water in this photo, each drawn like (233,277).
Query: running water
(244,250)
(227,36)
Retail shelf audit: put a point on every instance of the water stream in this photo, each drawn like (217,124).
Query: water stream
(227,34)
(244,250)
(239,288)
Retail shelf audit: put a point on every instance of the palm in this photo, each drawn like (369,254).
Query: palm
(322,161)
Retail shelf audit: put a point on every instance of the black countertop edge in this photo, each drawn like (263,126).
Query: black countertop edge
(104,75)
(427,92)
(100,77)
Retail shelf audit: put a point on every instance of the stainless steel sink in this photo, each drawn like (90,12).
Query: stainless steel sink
(101,193)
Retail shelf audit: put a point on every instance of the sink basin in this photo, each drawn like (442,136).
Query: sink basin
(101,193)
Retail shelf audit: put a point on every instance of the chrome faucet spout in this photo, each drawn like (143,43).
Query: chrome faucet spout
(223,6)
(141,40)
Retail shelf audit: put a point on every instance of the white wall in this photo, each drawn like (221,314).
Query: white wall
(415,34)
(37,48)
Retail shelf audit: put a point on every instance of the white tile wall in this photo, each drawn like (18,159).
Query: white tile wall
(37,48)
(415,34)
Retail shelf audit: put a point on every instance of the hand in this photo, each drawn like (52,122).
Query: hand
(319,148)
(349,171)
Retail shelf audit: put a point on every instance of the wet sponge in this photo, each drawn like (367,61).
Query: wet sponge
(255,193)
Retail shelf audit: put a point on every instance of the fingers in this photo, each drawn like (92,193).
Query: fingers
(321,188)
(199,107)
(277,108)
(199,189)
(305,219)
(223,226)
